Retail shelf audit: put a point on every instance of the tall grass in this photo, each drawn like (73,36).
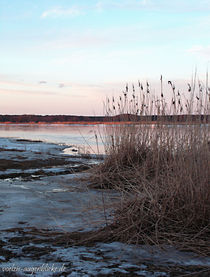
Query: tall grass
(162,171)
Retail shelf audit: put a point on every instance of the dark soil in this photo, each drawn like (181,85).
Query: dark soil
(30,164)
(44,242)
(40,164)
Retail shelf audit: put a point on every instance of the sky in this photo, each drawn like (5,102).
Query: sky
(67,56)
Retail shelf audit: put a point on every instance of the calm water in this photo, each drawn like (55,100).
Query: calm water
(81,136)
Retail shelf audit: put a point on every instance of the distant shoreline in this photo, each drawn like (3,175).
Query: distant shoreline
(117,119)
(102,123)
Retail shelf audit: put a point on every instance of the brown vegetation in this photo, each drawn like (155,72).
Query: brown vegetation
(161,171)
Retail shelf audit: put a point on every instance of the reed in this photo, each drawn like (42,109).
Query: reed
(162,171)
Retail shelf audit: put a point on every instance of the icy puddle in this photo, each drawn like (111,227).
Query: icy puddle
(59,202)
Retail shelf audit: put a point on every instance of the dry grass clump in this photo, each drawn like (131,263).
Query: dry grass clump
(162,172)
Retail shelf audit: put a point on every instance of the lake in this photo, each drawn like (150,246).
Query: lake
(83,137)
(87,138)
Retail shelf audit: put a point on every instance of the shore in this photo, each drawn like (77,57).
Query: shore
(49,217)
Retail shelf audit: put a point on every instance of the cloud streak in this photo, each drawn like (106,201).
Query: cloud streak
(21,91)
(126,4)
(200,50)
(178,5)
(23,88)
(61,12)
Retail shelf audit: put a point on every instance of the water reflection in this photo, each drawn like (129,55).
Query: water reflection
(88,138)
(81,136)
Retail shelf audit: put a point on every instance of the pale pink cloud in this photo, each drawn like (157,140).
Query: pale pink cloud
(72,98)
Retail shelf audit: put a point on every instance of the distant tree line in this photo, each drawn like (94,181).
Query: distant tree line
(27,118)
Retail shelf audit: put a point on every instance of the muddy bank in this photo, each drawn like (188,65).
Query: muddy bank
(20,158)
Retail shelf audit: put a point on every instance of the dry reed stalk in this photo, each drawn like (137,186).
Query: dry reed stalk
(162,171)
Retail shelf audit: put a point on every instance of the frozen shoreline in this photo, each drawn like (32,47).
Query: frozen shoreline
(81,137)
(39,212)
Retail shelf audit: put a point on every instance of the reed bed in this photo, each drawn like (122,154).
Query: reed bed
(162,171)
